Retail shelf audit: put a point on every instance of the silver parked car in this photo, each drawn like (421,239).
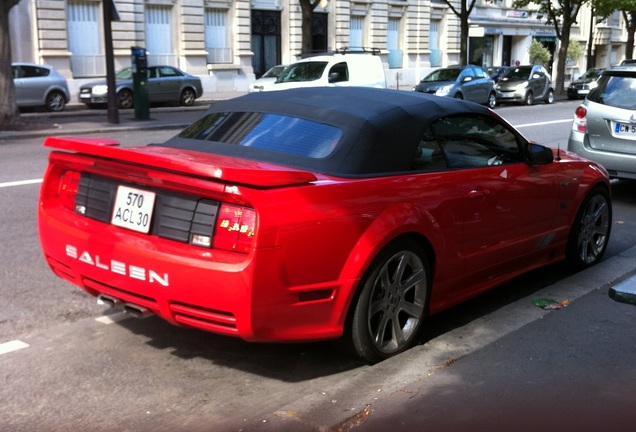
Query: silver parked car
(471,83)
(39,86)
(525,84)
(165,84)
(604,126)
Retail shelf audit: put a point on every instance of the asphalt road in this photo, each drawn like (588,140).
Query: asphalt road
(78,369)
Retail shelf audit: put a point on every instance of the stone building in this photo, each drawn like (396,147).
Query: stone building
(229,43)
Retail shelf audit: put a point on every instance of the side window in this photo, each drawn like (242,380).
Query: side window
(428,156)
(468,72)
(339,72)
(33,72)
(471,141)
(480,73)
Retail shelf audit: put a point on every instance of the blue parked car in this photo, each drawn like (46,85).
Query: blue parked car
(471,83)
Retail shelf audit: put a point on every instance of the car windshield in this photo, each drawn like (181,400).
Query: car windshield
(274,132)
(123,74)
(273,72)
(305,71)
(592,74)
(518,73)
(442,75)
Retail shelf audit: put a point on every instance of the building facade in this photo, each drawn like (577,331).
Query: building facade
(229,43)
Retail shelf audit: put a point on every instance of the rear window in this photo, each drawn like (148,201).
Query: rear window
(273,132)
(617,91)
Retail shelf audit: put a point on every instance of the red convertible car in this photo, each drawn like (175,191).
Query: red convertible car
(315,214)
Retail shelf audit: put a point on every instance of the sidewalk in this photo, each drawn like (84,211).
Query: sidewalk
(77,119)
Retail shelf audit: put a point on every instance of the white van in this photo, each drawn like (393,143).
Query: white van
(342,68)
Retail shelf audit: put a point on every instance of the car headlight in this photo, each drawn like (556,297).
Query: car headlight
(522,86)
(444,90)
(100,90)
(592,85)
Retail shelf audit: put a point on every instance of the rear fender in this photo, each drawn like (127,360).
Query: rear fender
(397,221)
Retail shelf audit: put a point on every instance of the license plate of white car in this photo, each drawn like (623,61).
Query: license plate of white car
(625,129)
(133,209)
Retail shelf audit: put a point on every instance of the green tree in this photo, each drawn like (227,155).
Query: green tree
(9,113)
(604,8)
(562,15)
(465,9)
(538,53)
(575,51)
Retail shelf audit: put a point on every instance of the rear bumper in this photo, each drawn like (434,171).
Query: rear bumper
(618,165)
(510,96)
(233,294)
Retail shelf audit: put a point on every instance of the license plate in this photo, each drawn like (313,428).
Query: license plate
(133,209)
(624,129)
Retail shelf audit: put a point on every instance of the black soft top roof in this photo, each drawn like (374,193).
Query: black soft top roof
(381,128)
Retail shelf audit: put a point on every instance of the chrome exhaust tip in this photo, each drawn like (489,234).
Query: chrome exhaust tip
(137,311)
(109,301)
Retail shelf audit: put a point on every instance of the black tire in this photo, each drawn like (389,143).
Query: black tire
(591,230)
(529,99)
(391,304)
(492,100)
(549,97)
(458,96)
(55,101)
(187,97)
(125,99)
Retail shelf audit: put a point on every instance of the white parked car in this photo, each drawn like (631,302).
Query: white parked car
(342,68)
(267,79)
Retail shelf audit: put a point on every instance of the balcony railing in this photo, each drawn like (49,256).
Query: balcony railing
(162,59)
(219,55)
(88,66)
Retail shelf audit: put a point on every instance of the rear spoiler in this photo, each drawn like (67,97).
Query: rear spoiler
(189,162)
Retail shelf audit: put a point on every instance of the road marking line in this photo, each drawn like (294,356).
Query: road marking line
(20,183)
(11,346)
(543,123)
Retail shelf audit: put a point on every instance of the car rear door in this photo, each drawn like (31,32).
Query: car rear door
(169,83)
(30,84)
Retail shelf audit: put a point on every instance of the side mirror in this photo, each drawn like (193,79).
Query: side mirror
(466,79)
(538,154)
(535,76)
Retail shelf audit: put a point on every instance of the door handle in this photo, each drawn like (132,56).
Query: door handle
(478,193)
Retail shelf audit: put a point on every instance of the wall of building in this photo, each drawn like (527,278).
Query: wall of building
(40,34)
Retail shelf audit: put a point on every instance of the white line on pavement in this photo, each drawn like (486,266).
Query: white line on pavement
(543,123)
(11,346)
(20,183)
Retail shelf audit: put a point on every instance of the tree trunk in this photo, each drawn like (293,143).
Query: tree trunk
(630,19)
(307,13)
(463,43)
(9,113)
(463,33)
(559,84)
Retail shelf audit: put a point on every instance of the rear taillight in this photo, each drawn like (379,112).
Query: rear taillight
(234,229)
(68,189)
(580,122)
